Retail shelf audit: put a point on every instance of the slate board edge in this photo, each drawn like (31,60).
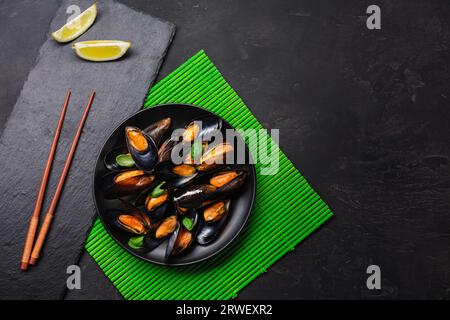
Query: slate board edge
(82,249)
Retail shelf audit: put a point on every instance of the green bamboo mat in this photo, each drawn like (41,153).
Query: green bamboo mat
(286,209)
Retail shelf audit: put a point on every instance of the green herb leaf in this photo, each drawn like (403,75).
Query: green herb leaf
(136,242)
(187,223)
(125,160)
(196,150)
(157,191)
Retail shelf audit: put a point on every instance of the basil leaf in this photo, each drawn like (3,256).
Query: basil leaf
(187,223)
(196,151)
(136,242)
(125,160)
(157,191)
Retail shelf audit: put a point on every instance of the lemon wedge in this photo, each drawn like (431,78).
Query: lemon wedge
(101,50)
(77,26)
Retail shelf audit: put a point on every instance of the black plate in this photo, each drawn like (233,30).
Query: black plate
(241,206)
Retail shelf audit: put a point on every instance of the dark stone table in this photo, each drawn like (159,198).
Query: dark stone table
(363,114)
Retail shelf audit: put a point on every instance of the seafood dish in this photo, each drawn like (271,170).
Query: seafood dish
(162,201)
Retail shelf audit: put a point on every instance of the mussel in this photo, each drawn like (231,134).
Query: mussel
(132,222)
(165,151)
(125,183)
(152,202)
(179,241)
(158,129)
(220,185)
(202,128)
(184,236)
(194,196)
(118,159)
(142,148)
(175,176)
(214,219)
(228,181)
(215,156)
(161,231)
(216,211)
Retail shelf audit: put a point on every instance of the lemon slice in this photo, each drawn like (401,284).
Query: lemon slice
(77,26)
(101,50)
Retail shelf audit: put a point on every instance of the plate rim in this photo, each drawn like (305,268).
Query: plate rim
(135,254)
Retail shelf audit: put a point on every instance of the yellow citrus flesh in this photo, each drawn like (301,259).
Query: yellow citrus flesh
(101,50)
(76,27)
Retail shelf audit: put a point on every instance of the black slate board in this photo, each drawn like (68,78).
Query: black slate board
(24,145)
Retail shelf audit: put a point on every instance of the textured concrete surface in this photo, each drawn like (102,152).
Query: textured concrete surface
(26,139)
(363,114)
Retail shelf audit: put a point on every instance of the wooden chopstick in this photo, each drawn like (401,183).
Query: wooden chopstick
(50,213)
(37,208)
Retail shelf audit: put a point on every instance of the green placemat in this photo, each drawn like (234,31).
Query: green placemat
(286,209)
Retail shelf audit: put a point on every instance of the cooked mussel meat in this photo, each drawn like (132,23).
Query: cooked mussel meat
(201,128)
(132,222)
(142,148)
(220,185)
(166,227)
(215,156)
(161,231)
(175,176)
(179,241)
(213,222)
(228,181)
(125,183)
(216,211)
(152,202)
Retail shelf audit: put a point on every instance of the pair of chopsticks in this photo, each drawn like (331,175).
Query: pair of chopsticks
(31,252)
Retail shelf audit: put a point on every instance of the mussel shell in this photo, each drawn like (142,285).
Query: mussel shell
(171,179)
(129,207)
(208,232)
(165,197)
(194,196)
(151,242)
(215,156)
(158,213)
(176,245)
(158,129)
(165,151)
(233,185)
(130,186)
(110,159)
(226,207)
(161,212)
(209,125)
(147,159)
(112,215)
